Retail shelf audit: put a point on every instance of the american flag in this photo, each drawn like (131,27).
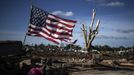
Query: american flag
(49,26)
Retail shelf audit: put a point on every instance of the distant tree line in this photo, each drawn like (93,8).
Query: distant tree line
(108,48)
(77,47)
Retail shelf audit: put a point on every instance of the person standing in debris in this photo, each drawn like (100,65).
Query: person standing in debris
(37,70)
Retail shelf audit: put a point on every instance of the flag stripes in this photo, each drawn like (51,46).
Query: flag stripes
(59,26)
(49,26)
(68,23)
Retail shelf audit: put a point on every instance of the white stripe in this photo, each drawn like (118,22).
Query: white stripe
(33,26)
(51,28)
(32,30)
(57,30)
(63,21)
(60,25)
(41,33)
(56,35)
(69,23)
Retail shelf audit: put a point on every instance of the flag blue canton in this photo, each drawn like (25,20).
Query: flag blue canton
(38,17)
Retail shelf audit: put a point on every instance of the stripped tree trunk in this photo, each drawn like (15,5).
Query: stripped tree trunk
(88,38)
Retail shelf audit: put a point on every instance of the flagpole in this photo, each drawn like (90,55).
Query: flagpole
(60,45)
(24,39)
(31,3)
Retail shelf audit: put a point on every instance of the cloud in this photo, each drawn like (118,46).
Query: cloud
(113,4)
(108,3)
(125,31)
(105,36)
(68,13)
(110,37)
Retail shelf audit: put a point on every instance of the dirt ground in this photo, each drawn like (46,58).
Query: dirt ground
(97,72)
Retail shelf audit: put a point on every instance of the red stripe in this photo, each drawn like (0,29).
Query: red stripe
(35,31)
(36,34)
(70,26)
(58,33)
(67,20)
(50,39)
(32,32)
(56,26)
(53,36)
(33,35)
(51,31)
(66,40)
(36,28)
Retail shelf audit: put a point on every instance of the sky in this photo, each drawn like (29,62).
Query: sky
(116,27)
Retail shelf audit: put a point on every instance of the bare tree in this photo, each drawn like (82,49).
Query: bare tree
(91,34)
